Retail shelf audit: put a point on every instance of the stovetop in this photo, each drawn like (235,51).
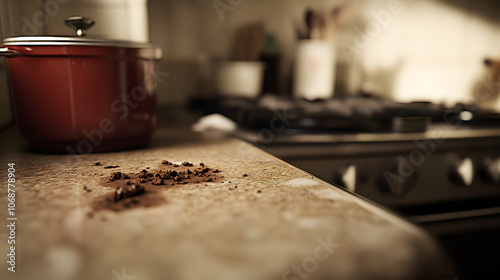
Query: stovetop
(363,114)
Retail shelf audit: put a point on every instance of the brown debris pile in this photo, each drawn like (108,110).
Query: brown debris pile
(118,175)
(177,175)
(128,191)
(141,189)
(129,197)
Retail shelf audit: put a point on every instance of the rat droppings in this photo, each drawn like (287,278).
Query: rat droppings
(141,189)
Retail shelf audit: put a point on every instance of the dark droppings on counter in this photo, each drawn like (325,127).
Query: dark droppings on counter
(118,175)
(128,191)
(157,181)
(111,166)
(98,163)
(141,189)
(128,197)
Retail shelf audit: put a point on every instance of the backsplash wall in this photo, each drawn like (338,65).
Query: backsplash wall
(429,50)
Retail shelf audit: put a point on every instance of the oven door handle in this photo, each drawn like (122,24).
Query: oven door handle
(457,215)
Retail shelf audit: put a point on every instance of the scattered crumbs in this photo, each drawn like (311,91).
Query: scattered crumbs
(129,191)
(111,166)
(166,162)
(245,175)
(115,176)
(98,163)
(182,176)
(157,181)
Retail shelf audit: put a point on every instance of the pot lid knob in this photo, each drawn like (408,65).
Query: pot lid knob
(80,24)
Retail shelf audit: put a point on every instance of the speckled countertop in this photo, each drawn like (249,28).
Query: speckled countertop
(276,223)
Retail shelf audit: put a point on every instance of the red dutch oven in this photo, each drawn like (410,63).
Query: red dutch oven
(80,95)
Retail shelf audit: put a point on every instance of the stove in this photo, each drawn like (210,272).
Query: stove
(445,180)
(436,166)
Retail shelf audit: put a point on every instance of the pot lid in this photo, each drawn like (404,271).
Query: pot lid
(80,25)
(72,41)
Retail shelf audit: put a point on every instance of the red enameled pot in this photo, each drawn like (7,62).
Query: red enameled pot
(82,95)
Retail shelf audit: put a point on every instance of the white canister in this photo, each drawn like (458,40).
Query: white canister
(239,78)
(314,69)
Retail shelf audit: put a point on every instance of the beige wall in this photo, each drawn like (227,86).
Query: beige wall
(190,31)
(431,50)
(115,19)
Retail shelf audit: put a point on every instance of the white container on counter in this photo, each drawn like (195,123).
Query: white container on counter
(239,78)
(314,69)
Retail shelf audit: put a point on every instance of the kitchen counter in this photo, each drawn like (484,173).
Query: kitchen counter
(275,222)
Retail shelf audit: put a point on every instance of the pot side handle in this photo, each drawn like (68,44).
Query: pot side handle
(6,52)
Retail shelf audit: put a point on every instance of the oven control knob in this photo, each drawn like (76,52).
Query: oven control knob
(463,172)
(346,177)
(491,170)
